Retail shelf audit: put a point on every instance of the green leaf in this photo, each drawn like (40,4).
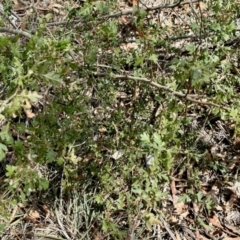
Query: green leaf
(34,96)
(190,48)
(2,227)
(54,77)
(5,135)
(234,113)
(150,220)
(105,225)
(138,191)
(60,161)
(154,58)
(23,196)
(203,224)
(13,106)
(3,150)
(159,143)
(199,196)
(43,184)
(184,198)
(10,170)
(145,138)
(51,156)
(225,36)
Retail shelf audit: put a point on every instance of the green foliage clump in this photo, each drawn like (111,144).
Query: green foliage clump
(85,117)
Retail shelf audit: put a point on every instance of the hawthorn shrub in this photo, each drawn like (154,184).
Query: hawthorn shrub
(85,107)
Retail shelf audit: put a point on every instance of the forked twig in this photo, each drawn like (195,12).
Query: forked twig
(159,86)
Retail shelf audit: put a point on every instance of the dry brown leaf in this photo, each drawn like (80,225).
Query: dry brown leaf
(97,234)
(202,6)
(102,130)
(198,236)
(47,211)
(15,2)
(230,203)
(21,205)
(124,20)
(55,5)
(196,207)
(236,142)
(173,219)
(184,215)
(27,109)
(186,7)
(231,165)
(129,46)
(215,222)
(135,2)
(33,216)
(56,10)
(218,208)
(13,214)
(174,192)
(177,236)
(180,207)
(29,113)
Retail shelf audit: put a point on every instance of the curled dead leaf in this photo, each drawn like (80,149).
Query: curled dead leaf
(29,113)
(124,20)
(118,154)
(27,109)
(128,46)
(33,216)
(215,222)
(202,6)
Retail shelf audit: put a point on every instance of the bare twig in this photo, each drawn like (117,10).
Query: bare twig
(12,18)
(126,12)
(14,31)
(147,9)
(168,228)
(48,236)
(159,86)
(61,226)
(131,11)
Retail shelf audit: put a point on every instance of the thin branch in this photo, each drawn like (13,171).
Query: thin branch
(168,228)
(16,32)
(61,226)
(48,236)
(131,11)
(62,23)
(159,86)
(122,13)
(147,9)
